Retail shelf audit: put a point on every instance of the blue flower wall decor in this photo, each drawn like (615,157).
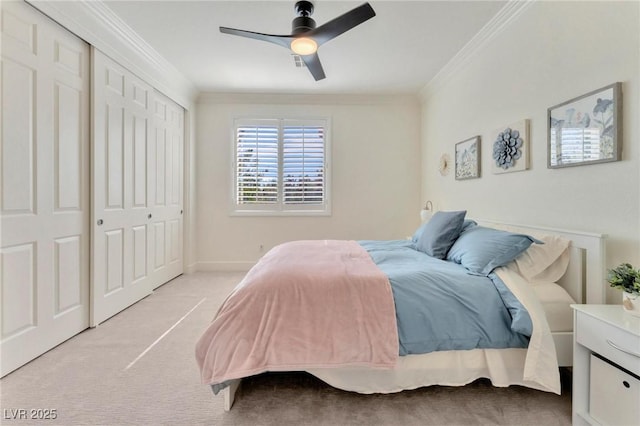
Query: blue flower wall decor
(507,148)
(510,148)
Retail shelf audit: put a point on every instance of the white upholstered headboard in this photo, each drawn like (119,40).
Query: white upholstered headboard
(586,275)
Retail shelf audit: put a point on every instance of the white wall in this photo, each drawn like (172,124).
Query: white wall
(551,53)
(375,174)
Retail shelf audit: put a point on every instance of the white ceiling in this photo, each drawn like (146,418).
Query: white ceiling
(397,52)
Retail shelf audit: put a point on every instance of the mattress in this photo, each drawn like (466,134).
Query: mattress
(555,301)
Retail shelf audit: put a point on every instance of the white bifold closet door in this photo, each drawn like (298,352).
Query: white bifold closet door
(44,212)
(137,188)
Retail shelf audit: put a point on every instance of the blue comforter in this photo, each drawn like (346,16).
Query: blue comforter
(440,306)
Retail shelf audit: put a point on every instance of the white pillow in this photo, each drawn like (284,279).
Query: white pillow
(545,262)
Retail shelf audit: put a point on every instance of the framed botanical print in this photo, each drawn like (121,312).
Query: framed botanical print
(586,129)
(468,159)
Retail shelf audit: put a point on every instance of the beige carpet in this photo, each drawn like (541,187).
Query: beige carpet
(87,382)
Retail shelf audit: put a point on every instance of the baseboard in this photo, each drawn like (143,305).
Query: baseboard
(224,266)
(190,269)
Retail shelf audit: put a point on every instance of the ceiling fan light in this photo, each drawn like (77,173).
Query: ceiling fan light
(304,46)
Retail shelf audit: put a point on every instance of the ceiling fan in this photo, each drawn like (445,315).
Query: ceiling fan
(305,38)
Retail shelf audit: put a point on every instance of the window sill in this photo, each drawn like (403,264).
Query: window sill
(285,213)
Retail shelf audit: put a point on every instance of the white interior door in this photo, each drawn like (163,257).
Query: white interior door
(122,188)
(44,208)
(167,195)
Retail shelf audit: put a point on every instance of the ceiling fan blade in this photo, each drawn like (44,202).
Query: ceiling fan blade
(281,40)
(315,67)
(341,24)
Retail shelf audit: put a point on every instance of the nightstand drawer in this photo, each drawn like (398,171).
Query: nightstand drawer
(613,394)
(611,342)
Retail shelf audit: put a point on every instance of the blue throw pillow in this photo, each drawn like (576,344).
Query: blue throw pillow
(418,233)
(481,249)
(439,234)
(468,223)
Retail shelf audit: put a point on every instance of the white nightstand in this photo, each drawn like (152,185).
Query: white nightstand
(606,365)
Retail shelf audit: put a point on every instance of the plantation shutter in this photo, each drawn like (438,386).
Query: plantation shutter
(257,164)
(303,164)
(280,167)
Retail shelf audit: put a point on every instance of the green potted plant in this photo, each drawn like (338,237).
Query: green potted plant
(626,278)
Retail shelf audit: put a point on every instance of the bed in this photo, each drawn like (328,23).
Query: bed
(382,357)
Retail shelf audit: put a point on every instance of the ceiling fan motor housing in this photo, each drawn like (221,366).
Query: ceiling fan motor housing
(302,24)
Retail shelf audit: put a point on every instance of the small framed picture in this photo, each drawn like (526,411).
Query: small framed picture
(468,159)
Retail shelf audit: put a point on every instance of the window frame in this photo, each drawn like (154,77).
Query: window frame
(280,208)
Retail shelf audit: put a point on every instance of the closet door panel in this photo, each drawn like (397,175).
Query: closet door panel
(114,249)
(67,148)
(120,196)
(140,258)
(139,162)
(160,163)
(44,213)
(115,131)
(176,169)
(68,273)
(167,207)
(19,308)
(18,120)
(160,248)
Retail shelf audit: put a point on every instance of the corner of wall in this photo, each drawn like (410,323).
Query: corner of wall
(505,16)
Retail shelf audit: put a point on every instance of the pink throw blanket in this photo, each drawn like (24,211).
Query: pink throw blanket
(305,304)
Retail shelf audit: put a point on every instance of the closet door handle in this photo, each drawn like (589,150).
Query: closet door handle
(149,216)
(626,351)
(100,222)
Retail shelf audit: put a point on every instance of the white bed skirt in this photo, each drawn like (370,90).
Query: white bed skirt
(504,367)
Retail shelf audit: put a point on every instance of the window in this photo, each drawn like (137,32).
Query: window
(281,167)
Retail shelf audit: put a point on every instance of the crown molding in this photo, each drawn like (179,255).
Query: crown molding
(305,99)
(503,19)
(98,25)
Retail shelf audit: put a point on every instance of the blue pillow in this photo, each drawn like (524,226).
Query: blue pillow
(439,234)
(418,233)
(468,223)
(481,249)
